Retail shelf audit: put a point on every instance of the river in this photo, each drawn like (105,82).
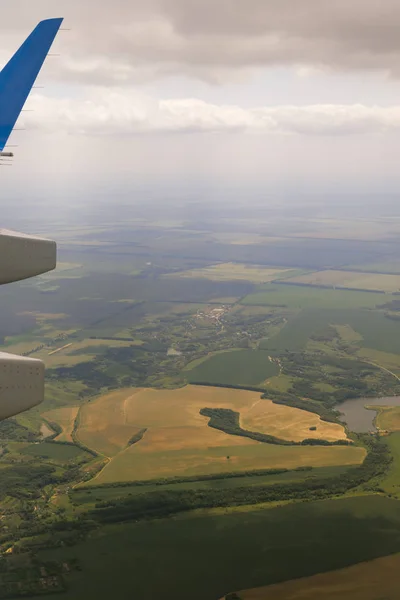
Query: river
(360,419)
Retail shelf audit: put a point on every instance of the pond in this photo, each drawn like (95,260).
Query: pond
(360,419)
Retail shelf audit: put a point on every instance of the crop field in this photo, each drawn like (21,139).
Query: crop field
(391,483)
(365,328)
(296,297)
(103,424)
(248,547)
(54,451)
(351,279)
(297,331)
(91,495)
(179,442)
(238,367)
(388,418)
(235,271)
(385,266)
(154,457)
(373,580)
(65,418)
(288,423)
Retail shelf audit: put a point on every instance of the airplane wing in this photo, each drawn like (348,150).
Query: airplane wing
(22,256)
(20,73)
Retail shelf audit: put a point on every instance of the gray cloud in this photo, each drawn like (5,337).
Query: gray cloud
(133,41)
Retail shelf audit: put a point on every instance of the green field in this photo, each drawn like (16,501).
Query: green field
(376,330)
(54,451)
(298,330)
(89,496)
(240,367)
(391,483)
(293,296)
(246,548)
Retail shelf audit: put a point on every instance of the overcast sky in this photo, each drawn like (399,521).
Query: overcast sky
(288,94)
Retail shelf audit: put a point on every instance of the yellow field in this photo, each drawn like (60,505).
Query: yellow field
(178,440)
(288,423)
(103,423)
(232,271)
(352,279)
(65,418)
(388,418)
(373,580)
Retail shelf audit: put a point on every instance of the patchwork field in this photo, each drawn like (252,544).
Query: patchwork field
(351,279)
(373,580)
(234,271)
(65,418)
(179,442)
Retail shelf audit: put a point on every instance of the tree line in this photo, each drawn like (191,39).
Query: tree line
(165,503)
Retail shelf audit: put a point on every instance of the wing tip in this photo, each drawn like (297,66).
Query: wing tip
(52,21)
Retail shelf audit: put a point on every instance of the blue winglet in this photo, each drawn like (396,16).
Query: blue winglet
(19,74)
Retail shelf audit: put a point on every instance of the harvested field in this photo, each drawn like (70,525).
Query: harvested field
(351,279)
(388,418)
(178,440)
(103,424)
(373,580)
(65,418)
(288,423)
(219,453)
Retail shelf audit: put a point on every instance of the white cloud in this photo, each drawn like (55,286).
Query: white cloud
(126,112)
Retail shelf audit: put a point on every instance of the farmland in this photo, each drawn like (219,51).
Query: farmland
(65,418)
(370,580)
(388,418)
(55,452)
(297,297)
(391,483)
(234,271)
(142,308)
(178,440)
(242,367)
(350,279)
(264,546)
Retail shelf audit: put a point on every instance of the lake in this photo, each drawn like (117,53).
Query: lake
(360,419)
